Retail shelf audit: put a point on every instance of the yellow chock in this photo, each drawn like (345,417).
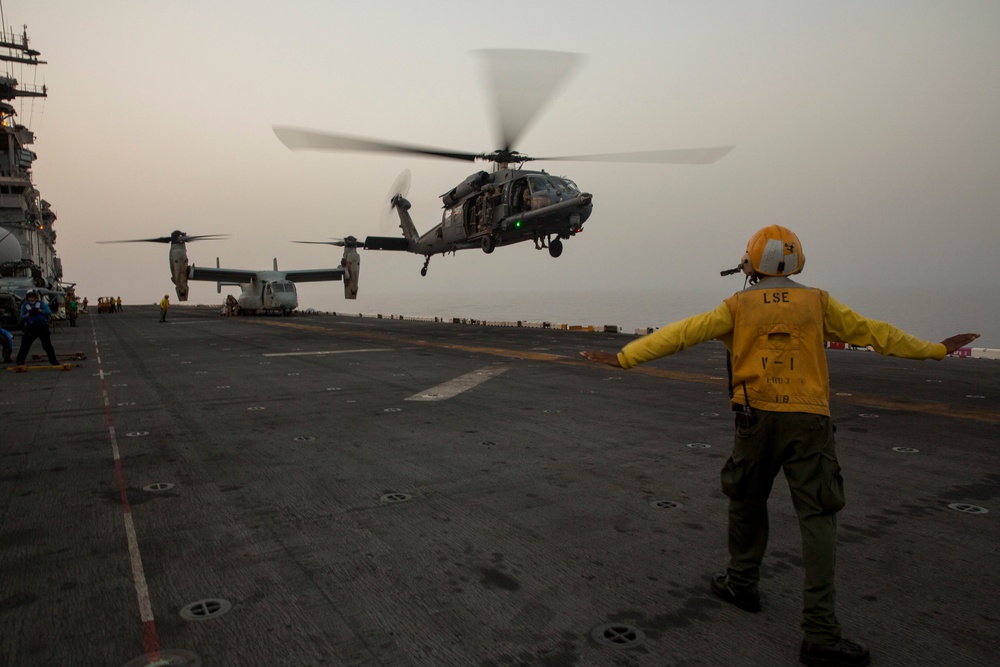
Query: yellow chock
(25,369)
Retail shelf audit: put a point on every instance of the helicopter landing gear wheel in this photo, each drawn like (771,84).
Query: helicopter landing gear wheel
(489,244)
(427,260)
(555,247)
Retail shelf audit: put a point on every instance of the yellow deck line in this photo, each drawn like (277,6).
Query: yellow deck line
(939,409)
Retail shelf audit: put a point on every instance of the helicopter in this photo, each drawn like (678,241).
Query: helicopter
(509,204)
(262,290)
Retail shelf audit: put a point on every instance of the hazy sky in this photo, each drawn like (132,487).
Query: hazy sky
(870,128)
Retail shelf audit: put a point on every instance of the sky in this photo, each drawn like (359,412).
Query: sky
(870,129)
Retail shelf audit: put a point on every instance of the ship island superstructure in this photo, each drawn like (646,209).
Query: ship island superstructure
(27,236)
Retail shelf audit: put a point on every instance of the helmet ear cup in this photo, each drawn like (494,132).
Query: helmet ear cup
(746,264)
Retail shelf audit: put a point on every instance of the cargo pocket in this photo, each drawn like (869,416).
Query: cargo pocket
(734,478)
(831,490)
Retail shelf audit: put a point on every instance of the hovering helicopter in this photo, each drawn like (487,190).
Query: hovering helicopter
(509,204)
(262,290)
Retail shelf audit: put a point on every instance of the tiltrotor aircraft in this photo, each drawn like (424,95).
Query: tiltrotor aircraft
(261,290)
(509,204)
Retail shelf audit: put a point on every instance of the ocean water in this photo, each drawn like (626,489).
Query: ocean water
(929,313)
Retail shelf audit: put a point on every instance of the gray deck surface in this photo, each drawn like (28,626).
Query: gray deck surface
(529,516)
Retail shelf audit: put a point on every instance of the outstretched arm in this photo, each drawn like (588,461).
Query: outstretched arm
(840,323)
(956,342)
(670,339)
(602,357)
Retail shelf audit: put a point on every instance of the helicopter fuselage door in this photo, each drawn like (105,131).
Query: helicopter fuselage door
(453,222)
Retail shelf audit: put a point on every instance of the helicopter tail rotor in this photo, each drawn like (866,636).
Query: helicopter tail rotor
(397,193)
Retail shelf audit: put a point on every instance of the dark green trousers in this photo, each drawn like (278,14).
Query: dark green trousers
(803,445)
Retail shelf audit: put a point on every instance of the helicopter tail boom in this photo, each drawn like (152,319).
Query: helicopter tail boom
(387,243)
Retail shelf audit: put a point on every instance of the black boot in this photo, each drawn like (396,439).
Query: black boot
(844,653)
(745,600)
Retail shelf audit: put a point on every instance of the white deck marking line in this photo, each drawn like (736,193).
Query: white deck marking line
(306,354)
(150,636)
(458,385)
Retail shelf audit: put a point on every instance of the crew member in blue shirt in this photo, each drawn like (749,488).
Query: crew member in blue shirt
(35,315)
(6,345)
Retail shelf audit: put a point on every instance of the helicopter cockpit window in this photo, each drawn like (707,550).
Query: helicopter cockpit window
(563,184)
(538,184)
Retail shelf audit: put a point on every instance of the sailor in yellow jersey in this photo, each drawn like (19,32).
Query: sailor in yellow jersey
(164,307)
(779,388)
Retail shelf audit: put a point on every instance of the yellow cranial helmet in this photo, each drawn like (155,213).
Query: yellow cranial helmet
(774,251)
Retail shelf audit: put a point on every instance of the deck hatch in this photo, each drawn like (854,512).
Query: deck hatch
(158,486)
(617,635)
(202,610)
(968,509)
(665,504)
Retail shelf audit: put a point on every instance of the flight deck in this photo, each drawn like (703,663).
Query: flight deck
(336,490)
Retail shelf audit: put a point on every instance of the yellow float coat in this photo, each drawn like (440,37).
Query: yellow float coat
(774,332)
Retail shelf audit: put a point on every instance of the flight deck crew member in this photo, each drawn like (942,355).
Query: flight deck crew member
(164,306)
(72,306)
(35,315)
(779,388)
(118,304)
(6,345)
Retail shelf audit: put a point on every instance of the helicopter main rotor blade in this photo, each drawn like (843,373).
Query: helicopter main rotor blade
(522,81)
(297,139)
(340,244)
(168,239)
(673,156)
(206,237)
(161,239)
(350,241)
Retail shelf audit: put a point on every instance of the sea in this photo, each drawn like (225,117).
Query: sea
(928,313)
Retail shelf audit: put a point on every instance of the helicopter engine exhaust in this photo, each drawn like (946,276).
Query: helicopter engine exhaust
(467,187)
